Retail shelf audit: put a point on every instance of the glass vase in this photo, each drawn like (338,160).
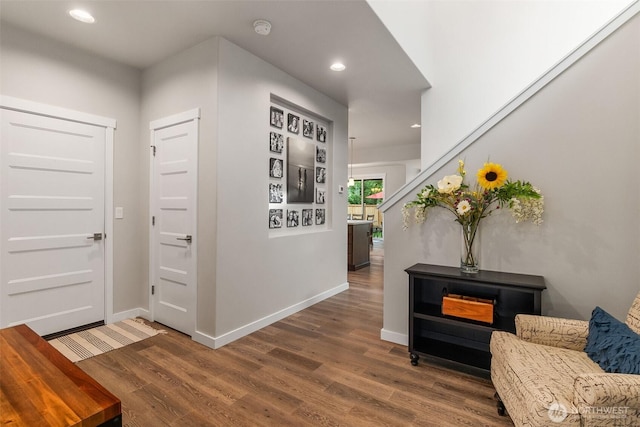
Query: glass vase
(470,247)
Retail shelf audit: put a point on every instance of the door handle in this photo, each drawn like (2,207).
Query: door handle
(96,236)
(187,239)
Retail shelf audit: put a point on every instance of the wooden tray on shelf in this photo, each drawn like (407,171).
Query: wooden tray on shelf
(466,307)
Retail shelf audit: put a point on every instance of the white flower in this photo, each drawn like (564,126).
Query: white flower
(463,207)
(420,214)
(449,184)
(425,193)
(524,209)
(405,216)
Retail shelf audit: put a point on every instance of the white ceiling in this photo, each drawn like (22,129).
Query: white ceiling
(381,86)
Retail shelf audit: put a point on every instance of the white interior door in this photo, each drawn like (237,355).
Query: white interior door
(52,222)
(174,203)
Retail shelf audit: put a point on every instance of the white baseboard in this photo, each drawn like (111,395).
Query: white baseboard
(394,337)
(219,341)
(129,314)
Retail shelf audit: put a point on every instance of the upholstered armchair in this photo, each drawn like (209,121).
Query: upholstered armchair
(544,377)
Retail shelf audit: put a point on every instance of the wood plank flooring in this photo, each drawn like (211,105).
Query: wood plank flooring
(324,366)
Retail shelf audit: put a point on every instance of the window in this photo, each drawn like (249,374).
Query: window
(364,197)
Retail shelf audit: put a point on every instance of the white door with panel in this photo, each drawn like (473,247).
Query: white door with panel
(52,222)
(174,179)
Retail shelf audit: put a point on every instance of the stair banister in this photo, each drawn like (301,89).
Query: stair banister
(616,22)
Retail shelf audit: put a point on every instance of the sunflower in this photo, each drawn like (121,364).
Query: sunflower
(492,176)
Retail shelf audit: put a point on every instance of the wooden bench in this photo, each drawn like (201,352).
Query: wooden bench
(41,387)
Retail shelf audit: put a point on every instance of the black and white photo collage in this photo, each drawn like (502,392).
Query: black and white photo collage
(298,169)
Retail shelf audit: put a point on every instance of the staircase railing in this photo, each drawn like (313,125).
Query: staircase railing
(629,12)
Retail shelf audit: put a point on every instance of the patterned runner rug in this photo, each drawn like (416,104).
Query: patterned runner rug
(85,344)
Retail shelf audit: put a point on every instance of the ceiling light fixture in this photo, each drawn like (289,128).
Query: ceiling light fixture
(416,125)
(82,16)
(262,27)
(338,66)
(352,182)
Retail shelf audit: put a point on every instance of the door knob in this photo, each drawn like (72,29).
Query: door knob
(96,236)
(187,238)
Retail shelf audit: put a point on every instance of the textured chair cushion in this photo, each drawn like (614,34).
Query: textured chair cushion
(530,378)
(612,344)
(554,331)
(633,318)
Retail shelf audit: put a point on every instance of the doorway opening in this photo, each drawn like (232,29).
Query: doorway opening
(365,195)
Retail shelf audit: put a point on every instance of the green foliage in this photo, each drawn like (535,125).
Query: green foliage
(355,193)
(371,187)
(515,189)
(469,205)
(358,194)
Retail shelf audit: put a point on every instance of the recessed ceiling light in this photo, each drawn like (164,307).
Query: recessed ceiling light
(337,66)
(82,16)
(416,125)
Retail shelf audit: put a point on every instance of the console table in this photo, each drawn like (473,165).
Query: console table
(41,387)
(458,339)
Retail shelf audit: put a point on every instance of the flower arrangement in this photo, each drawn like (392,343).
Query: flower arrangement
(469,205)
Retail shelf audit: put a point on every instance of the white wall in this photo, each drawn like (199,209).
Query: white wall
(245,278)
(40,70)
(180,83)
(578,140)
(258,276)
(479,54)
(413,169)
(388,153)
(400,163)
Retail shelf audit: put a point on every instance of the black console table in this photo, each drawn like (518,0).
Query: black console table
(458,339)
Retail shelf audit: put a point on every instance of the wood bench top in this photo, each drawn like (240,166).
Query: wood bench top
(41,387)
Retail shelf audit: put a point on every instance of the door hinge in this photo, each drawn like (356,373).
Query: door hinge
(153,220)
(153,148)
(153,290)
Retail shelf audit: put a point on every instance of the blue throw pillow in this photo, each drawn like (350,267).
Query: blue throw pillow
(612,344)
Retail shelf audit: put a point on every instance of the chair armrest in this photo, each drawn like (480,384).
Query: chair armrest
(599,391)
(553,331)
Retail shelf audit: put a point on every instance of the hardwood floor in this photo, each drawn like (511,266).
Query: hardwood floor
(324,366)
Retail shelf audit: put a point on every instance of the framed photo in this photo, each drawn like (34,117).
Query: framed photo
(276,169)
(277,117)
(275,193)
(307,128)
(307,217)
(275,218)
(300,173)
(293,218)
(320,196)
(321,155)
(320,216)
(321,133)
(276,143)
(293,123)
(321,175)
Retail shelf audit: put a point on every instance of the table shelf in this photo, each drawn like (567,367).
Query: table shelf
(457,339)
